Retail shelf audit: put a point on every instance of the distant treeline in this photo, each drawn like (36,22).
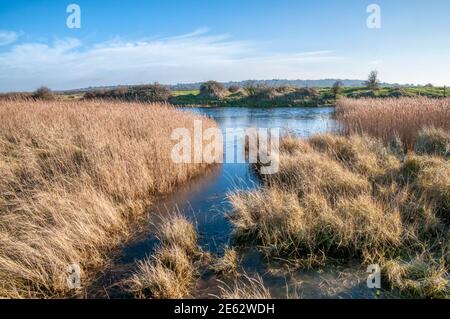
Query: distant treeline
(278,83)
(143,93)
(325,83)
(43,93)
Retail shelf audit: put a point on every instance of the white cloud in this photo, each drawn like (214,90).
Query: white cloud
(197,56)
(7,37)
(376,62)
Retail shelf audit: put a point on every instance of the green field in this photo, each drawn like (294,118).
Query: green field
(183,93)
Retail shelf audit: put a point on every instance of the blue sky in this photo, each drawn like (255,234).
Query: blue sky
(137,41)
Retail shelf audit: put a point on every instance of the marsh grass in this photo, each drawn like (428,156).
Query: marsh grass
(433,141)
(177,230)
(420,277)
(245,288)
(171,271)
(228,264)
(73,177)
(338,197)
(385,118)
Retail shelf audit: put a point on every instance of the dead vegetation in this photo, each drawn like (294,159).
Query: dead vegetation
(338,197)
(171,271)
(73,175)
(386,118)
(245,288)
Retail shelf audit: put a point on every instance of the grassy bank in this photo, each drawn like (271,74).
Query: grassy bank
(73,177)
(299,97)
(337,198)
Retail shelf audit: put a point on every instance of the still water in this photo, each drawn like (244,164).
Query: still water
(204,201)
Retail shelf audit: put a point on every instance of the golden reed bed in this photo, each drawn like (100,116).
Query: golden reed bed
(385,118)
(72,177)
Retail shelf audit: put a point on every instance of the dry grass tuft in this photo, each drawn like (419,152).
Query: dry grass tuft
(155,280)
(429,177)
(245,288)
(419,278)
(177,230)
(228,264)
(170,272)
(73,175)
(316,172)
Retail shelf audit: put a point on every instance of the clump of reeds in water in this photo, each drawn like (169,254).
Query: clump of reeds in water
(342,198)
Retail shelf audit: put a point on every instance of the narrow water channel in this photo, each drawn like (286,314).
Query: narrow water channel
(204,201)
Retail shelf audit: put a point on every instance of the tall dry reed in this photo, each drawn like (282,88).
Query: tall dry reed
(387,118)
(72,176)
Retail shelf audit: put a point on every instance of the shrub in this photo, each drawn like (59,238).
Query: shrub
(43,93)
(152,93)
(303,93)
(373,83)
(212,89)
(285,89)
(234,89)
(265,93)
(337,88)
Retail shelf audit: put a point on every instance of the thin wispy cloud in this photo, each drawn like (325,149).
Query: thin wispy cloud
(192,57)
(8,37)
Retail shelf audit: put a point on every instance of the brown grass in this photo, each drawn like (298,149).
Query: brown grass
(72,177)
(385,118)
(421,277)
(170,272)
(245,288)
(350,197)
(177,230)
(228,264)
(155,280)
